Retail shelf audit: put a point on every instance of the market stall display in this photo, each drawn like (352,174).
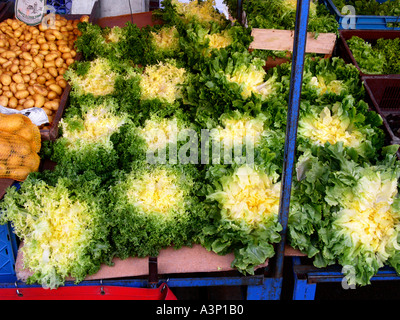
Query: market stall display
(175,138)
(108,132)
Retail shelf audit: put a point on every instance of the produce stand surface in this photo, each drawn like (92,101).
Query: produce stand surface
(170,260)
(182,262)
(282,40)
(198,259)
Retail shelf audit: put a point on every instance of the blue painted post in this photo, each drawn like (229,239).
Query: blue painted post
(302,290)
(8,254)
(239,11)
(299,48)
(269,290)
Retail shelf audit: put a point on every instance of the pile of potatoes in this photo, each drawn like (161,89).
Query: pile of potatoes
(33,60)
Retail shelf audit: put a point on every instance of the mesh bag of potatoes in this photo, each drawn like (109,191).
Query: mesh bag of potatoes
(20,142)
(33,60)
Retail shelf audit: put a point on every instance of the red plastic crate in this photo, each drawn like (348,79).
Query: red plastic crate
(384,96)
(95,292)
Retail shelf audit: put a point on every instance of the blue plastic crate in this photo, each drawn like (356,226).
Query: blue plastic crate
(61,6)
(8,254)
(363,22)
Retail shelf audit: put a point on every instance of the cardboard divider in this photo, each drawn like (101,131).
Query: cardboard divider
(383,95)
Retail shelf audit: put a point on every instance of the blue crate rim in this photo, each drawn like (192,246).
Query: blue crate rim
(332,5)
(369,19)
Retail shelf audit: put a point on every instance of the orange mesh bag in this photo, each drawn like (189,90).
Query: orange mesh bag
(22,126)
(19,144)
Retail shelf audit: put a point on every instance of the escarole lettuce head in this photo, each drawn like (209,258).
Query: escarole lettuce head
(155,207)
(251,78)
(160,132)
(367,222)
(85,142)
(62,226)
(334,86)
(219,40)
(347,212)
(325,80)
(243,210)
(162,81)
(291,5)
(239,128)
(165,40)
(99,78)
(95,127)
(329,127)
(158,192)
(201,11)
(200,42)
(332,77)
(248,197)
(114,35)
(341,123)
(114,43)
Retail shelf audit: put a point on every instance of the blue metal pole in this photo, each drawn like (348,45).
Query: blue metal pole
(239,11)
(299,48)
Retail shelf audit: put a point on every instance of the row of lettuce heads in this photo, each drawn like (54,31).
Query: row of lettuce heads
(105,200)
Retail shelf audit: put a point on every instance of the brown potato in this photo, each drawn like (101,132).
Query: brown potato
(12,102)
(26,56)
(29,103)
(48,64)
(21,86)
(38,61)
(17,78)
(14,68)
(51,56)
(39,100)
(64,49)
(41,80)
(53,71)
(52,95)
(23,94)
(52,105)
(5,79)
(8,93)
(59,62)
(56,88)
(40,89)
(70,61)
(27,70)
(62,83)
(48,111)
(4,101)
